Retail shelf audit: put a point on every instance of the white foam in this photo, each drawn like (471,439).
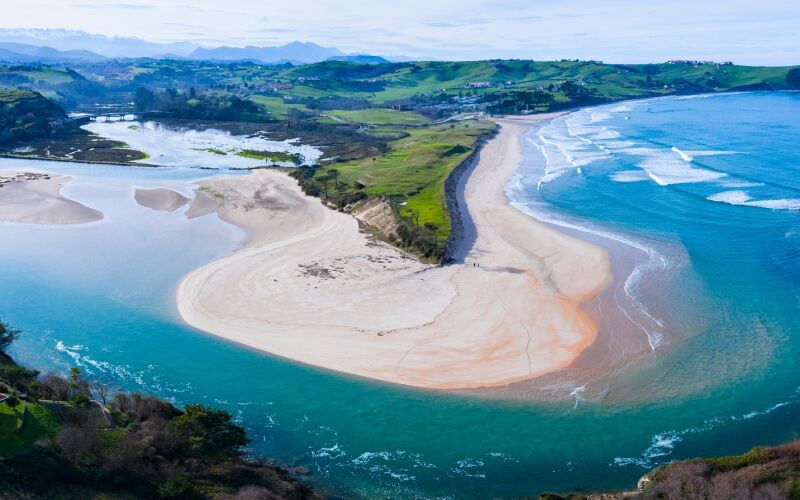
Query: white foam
(683,156)
(710,153)
(739,197)
(621,109)
(577,141)
(666,170)
(740,184)
(577,393)
(663,443)
(629,176)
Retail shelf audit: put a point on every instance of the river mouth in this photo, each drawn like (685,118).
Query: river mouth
(108,312)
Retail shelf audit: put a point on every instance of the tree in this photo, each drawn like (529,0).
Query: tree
(178,486)
(7,335)
(79,392)
(17,376)
(12,402)
(334,175)
(324,179)
(793,78)
(100,390)
(210,431)
(144,100)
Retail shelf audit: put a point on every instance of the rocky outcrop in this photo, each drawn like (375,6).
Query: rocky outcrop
(377,214)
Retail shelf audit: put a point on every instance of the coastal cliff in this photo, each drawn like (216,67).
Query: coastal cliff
(763,472)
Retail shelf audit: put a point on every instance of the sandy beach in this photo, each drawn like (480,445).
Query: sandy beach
(160,199)
(312,287)
(36,198)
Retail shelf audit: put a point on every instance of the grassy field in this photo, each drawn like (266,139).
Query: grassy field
(413,172)
(379,116)
(276,105)
(24,425)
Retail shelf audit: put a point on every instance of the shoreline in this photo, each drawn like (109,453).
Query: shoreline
(35,198)
(283,293)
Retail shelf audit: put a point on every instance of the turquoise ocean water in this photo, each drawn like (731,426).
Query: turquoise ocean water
(707,191)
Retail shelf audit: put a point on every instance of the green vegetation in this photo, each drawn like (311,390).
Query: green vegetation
(432,87)
(23,425)
(7,335)
(25,114)
(760,473)
(411,174)
(272,156)
(277,106)
(383,128)
(379,116)
(57,442)
(212,151)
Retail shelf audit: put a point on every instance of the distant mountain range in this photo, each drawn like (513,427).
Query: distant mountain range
(21,53)
(69,46)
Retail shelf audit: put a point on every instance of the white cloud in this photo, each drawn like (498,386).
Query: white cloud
(612,30)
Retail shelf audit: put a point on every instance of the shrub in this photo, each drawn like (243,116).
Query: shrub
(178,487)
(210,431)
(17,376)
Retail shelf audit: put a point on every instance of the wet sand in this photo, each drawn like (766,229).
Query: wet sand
(161,199)
(36,198)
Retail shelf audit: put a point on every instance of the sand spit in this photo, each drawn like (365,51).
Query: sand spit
(35,198)
(310,286)
(161,199)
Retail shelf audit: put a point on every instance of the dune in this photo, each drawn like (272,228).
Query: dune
(161,199)
(310,286)
(36,199)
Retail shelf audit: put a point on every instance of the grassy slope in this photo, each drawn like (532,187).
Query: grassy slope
(12,98)
(379,116)
(404,80)
(44,74)
(26,114)
(24,425)
(415,168)
(610,81)
(276,106)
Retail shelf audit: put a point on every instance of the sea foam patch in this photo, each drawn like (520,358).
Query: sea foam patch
(739,197)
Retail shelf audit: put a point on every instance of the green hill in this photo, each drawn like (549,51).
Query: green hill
(439,87)
(27,114)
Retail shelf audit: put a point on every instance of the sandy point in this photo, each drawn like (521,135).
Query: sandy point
(312,287)
(35,198)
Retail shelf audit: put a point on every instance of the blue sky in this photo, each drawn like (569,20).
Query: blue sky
(747,32)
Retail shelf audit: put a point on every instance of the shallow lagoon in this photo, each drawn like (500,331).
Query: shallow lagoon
(206,148)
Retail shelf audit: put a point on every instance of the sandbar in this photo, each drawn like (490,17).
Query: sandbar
(35,198)
(311,286)
(161,199)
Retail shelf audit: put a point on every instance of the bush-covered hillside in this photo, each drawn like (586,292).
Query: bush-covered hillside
(26,114)
(762,473)
(67,437)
